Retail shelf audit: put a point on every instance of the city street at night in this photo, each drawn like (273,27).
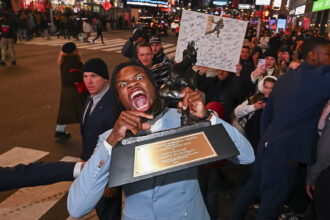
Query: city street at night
(217,109)
(30,98)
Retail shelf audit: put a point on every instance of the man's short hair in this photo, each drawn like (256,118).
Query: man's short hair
(246,47)
(143,44)
(311,44)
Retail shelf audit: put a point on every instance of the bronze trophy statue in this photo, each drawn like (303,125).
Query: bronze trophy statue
(182,75)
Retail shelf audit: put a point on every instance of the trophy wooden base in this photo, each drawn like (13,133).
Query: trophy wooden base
(168,151)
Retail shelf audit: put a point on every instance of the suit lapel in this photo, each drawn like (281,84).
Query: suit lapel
(98,108)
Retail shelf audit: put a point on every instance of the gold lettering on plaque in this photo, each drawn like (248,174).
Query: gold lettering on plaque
(162,155)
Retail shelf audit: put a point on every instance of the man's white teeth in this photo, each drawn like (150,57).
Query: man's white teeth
(142,107)
(136,93)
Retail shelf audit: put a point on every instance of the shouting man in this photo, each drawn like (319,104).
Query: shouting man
(169,196)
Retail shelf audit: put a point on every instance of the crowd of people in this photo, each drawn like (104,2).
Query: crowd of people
(28,24)
(270,120)
(275,108)
(24,25)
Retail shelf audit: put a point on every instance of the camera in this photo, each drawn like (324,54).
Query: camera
(263,99)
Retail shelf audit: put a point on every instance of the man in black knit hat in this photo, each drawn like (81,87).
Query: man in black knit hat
(100,115)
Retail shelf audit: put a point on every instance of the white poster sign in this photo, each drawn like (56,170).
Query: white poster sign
(277,3)
(300,10)
(218,40)
(262,2)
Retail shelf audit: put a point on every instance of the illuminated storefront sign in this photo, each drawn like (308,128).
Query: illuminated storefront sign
(244,6)
(280,25)
(99,2)
(262,2)
(38,5)
(65,2)
(321,5)
(277,3)
(152,3)
(300,10)
(306,23)
(220,2)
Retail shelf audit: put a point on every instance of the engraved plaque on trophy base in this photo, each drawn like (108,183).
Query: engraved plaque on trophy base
(162,155)
(169,151)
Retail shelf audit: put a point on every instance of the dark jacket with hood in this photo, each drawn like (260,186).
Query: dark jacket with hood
(227,92)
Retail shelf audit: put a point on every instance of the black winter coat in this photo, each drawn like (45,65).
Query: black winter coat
(227,92)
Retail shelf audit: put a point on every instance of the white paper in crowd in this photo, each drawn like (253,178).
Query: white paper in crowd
(219,40)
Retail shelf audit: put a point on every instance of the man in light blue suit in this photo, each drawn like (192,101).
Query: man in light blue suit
(170,196)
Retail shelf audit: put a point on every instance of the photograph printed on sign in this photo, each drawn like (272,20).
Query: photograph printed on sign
(219,40)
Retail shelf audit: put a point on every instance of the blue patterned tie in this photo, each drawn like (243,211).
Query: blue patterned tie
(88,112)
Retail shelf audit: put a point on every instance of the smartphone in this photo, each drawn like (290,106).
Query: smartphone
(263,99)
(261,62)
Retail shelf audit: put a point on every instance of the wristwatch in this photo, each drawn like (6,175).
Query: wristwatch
(207,114)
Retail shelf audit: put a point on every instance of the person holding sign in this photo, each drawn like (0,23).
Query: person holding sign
(174,195)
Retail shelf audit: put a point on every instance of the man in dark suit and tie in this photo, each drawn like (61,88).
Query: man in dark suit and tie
(100,112)
(288,132)
(100,115)
(37,173)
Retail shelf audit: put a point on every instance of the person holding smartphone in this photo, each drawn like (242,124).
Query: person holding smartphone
(266,67)
(248,114)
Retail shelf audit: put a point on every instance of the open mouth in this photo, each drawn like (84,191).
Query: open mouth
(139,100)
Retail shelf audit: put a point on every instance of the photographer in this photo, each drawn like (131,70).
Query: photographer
(248,114)
(129,48)
(265,67)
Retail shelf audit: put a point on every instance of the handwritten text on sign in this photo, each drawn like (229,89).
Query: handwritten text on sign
(219,40)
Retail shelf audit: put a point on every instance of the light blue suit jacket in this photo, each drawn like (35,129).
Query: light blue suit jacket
(171,196)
